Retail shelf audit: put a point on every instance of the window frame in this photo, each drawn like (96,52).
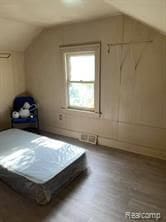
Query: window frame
(80,50)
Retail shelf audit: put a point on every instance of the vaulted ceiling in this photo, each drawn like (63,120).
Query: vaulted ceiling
(52,12)
(22,20)
(151,12)
(16,36)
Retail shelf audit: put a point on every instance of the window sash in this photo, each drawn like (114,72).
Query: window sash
(79,53)
(83,82)
(82,49)
(80,107)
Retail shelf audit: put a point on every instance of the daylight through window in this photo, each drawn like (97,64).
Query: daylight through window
(82,79)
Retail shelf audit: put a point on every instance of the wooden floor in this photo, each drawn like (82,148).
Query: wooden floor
(117,182)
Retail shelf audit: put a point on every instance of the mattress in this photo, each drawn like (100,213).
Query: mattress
(37,166)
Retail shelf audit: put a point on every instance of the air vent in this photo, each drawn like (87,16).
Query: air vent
(88,138)
(84,138)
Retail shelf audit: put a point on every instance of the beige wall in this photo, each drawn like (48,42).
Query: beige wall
(12,83)
(133,102)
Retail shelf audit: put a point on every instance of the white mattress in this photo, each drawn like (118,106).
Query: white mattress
(35,157)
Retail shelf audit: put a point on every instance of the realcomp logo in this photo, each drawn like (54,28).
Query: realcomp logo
(142,216)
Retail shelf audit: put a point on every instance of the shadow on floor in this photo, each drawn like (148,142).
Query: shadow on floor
(15,208)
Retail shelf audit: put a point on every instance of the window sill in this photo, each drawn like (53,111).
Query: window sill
(82,113)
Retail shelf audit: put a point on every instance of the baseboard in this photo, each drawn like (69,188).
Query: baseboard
(60,131)
(139,149)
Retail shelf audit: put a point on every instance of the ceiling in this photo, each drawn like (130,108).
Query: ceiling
(151,12)
(16,36)
(22,20)
(52,12)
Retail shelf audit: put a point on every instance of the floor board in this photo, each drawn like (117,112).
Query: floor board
(116,182)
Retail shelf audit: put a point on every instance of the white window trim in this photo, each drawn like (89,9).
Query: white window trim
(81,49)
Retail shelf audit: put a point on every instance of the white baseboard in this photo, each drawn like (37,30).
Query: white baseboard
(139,149)
(63,132)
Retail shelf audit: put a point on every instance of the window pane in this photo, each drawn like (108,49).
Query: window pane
(82,67)
(81,95)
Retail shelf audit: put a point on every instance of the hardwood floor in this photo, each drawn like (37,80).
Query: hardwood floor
(116,182)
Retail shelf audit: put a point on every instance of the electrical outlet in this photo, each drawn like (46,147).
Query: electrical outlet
(60,117)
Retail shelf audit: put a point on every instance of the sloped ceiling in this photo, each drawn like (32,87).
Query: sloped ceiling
(22,20)
(151,12)
(16,36)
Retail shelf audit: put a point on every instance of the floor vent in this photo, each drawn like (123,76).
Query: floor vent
(88,138)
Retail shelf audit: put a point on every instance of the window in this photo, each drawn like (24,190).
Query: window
(82,77)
